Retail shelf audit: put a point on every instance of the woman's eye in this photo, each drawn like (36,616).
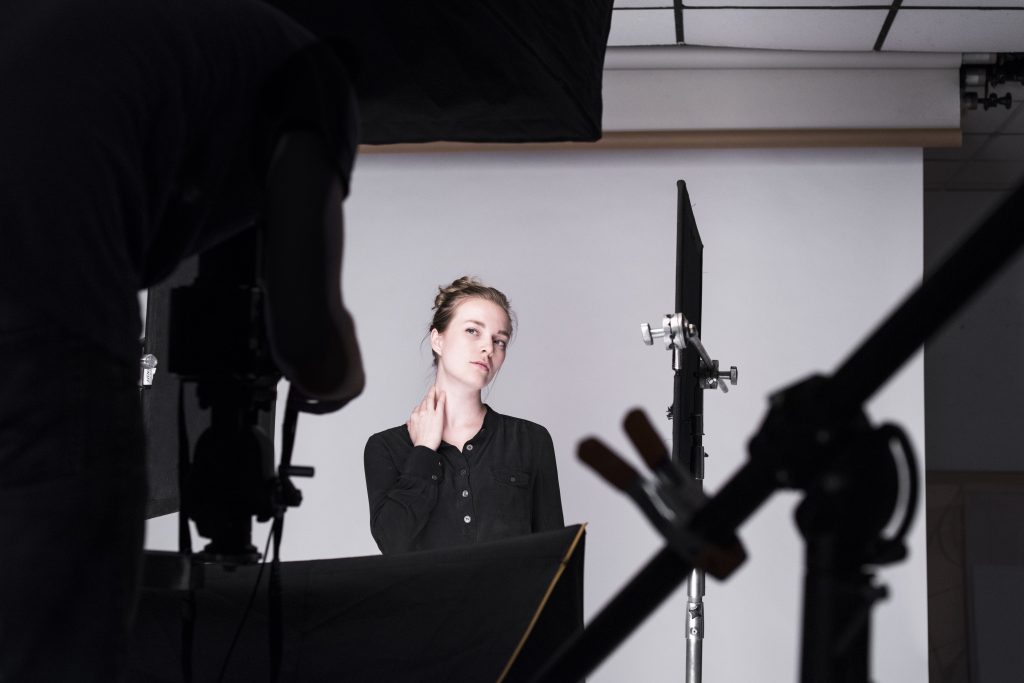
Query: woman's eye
(500,343)
(471,330)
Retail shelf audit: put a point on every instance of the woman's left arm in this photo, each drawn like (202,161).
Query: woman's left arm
(547,497)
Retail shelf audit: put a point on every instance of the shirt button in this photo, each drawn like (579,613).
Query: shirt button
(465,493)
(467,519)
(434,477)
(469,446)
(512,479)
(462,472)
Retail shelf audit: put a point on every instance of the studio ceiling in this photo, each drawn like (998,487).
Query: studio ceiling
(844,25)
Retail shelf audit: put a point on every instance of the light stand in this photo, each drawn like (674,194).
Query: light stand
(693,372)
(815,438)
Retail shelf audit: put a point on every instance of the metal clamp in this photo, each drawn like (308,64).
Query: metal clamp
(677,331)
(715,378)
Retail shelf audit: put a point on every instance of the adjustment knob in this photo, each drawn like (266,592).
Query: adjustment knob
(645,334)
(649,335)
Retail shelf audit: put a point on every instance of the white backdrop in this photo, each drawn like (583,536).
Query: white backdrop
(804,252)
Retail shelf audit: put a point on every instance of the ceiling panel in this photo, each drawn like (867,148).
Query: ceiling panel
(955,30)
(820,4)
(919,26)
(661,4)
(783,29)
(971,4)
(642,27)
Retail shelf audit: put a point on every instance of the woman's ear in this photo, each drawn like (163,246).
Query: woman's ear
(436,343)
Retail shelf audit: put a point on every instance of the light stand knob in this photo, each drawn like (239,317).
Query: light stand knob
(647,335)
(715,378)
(670,331)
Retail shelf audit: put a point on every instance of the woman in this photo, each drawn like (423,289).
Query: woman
(457,472)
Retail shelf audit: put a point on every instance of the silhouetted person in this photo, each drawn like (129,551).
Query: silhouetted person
(134,133)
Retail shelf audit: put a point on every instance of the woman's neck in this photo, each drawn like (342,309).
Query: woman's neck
(462,405)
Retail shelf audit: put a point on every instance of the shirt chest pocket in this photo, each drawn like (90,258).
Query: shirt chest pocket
(516,478)
(512,494)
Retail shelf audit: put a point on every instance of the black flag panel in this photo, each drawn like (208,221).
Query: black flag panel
(474,613)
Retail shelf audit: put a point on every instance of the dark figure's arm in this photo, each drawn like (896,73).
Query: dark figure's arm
(402,488)
(547,497)
(311,333)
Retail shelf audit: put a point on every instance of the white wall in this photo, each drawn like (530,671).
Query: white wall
(804,251)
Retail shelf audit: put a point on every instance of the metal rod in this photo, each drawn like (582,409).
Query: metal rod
(694,626)
(693,337)
(695,623)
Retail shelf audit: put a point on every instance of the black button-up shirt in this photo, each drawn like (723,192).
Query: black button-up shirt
(503,483)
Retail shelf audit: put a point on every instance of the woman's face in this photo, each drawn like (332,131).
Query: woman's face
(471,350)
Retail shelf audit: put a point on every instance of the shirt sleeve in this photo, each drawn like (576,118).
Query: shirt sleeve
(402,491)
(547,497)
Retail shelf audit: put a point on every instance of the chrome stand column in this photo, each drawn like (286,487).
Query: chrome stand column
(694,625)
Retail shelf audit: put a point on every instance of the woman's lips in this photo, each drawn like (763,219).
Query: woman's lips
(482,366)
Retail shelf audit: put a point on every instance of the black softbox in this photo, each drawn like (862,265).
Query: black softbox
(470,70)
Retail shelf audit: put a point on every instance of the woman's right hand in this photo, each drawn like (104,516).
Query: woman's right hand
(426,424)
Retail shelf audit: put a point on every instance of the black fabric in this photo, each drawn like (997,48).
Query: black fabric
(72,498)
(502,484)
(469,70)
(457,614)
(133,134)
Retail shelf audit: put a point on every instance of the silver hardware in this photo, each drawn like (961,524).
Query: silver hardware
(677,332)
(147,366)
